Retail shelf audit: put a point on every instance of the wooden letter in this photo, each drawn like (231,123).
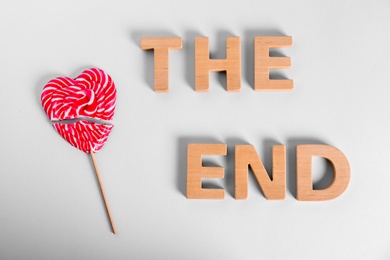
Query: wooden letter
(340,166)
(274,189)
(263,62)
(203,64)
(161,47)
(195,171)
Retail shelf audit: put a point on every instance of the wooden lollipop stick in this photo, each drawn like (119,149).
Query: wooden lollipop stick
(103,193)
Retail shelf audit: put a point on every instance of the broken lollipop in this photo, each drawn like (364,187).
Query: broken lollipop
(78,108)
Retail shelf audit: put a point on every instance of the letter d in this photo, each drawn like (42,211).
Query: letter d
(340,166)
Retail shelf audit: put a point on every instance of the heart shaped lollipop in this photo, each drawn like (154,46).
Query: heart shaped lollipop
(90,96)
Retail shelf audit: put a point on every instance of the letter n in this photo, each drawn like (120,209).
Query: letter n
(273,189)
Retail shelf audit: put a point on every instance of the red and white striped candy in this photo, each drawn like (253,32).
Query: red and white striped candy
(92,94)
(84,135)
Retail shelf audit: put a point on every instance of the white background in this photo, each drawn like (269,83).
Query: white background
(50,203)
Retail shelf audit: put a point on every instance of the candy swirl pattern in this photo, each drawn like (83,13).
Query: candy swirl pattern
(84,135)
(91,95)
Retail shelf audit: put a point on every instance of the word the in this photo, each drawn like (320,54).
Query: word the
(232,64)
(275,188)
